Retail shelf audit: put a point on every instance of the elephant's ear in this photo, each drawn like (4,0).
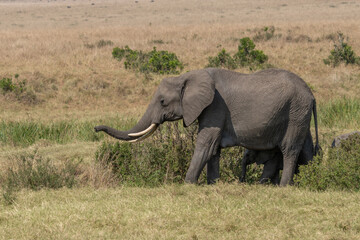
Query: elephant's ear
(198,93)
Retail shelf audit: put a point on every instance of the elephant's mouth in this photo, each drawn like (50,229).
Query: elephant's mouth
(139,136)
(170,117)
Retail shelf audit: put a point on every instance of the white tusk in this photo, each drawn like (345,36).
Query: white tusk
(138,134)
(144,136)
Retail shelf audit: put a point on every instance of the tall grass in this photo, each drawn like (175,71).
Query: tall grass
(35,172)
(340,113)
(26,133)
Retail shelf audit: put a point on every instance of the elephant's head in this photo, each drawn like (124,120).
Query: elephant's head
(185,96)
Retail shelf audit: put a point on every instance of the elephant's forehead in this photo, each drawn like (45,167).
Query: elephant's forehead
(168,84)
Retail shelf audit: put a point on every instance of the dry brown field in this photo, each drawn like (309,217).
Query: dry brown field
(47,43)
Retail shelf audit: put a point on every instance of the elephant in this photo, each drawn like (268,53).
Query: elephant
(337,140)
(259,111)
(273,161)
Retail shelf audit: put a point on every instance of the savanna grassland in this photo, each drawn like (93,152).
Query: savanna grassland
(62,50)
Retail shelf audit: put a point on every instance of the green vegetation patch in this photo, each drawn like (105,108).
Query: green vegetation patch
(340,113)
(27,133)
(159,62)
(165,158)
(339,171)
(342,53)
(7,85)
(34,172)
(18,90)
(246,56)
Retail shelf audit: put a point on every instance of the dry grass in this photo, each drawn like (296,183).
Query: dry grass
(47,44)
(182,212)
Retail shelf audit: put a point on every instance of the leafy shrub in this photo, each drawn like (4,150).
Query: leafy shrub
(340,171)
(160,62)
(223,59)
(246,56)
(161,159)
(165,157)
(18,89)
(34,172)
(7,85)
(342,52)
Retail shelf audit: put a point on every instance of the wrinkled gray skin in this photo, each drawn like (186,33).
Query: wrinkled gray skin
(260,111)
(273,161)
(337,141)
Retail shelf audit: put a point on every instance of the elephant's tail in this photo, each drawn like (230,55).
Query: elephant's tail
(317,146)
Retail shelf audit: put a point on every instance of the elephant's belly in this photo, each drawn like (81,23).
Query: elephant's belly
(256,139)
(227,141)
(259,140)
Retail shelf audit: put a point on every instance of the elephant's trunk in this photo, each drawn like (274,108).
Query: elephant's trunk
(143,129)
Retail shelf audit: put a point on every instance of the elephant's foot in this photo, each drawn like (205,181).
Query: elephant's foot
(191,180)
(242,179)
(264,180)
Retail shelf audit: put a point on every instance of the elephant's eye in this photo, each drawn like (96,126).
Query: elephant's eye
(162,102)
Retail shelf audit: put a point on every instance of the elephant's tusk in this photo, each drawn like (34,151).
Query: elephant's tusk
(138,134)
(145,135)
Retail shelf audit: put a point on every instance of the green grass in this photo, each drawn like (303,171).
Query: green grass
(26,133)
(343,113)
(223,211)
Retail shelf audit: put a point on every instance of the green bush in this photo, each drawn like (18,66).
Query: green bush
(246,56)
(162,159)
(223,60)
(165,158)
(34,172)
(339,171)
(17,89)
(342,53)
(6,85)
(160,62)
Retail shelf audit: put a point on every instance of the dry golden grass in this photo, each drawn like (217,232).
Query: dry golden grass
(223,211)
(46,43)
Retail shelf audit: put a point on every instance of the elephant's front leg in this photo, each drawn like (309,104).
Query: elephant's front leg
(207,147)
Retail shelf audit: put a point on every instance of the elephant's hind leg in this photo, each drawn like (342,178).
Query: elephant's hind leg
(290,156)
(213,168)
(291,147)
(270,168)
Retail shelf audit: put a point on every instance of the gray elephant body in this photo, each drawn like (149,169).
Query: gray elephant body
(337,141)
(260,111)
(273,161)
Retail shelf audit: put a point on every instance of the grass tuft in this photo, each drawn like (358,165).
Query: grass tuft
(34,172)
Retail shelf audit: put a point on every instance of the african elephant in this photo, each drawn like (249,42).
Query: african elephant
(337,141)
(259,111)
(273,160)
